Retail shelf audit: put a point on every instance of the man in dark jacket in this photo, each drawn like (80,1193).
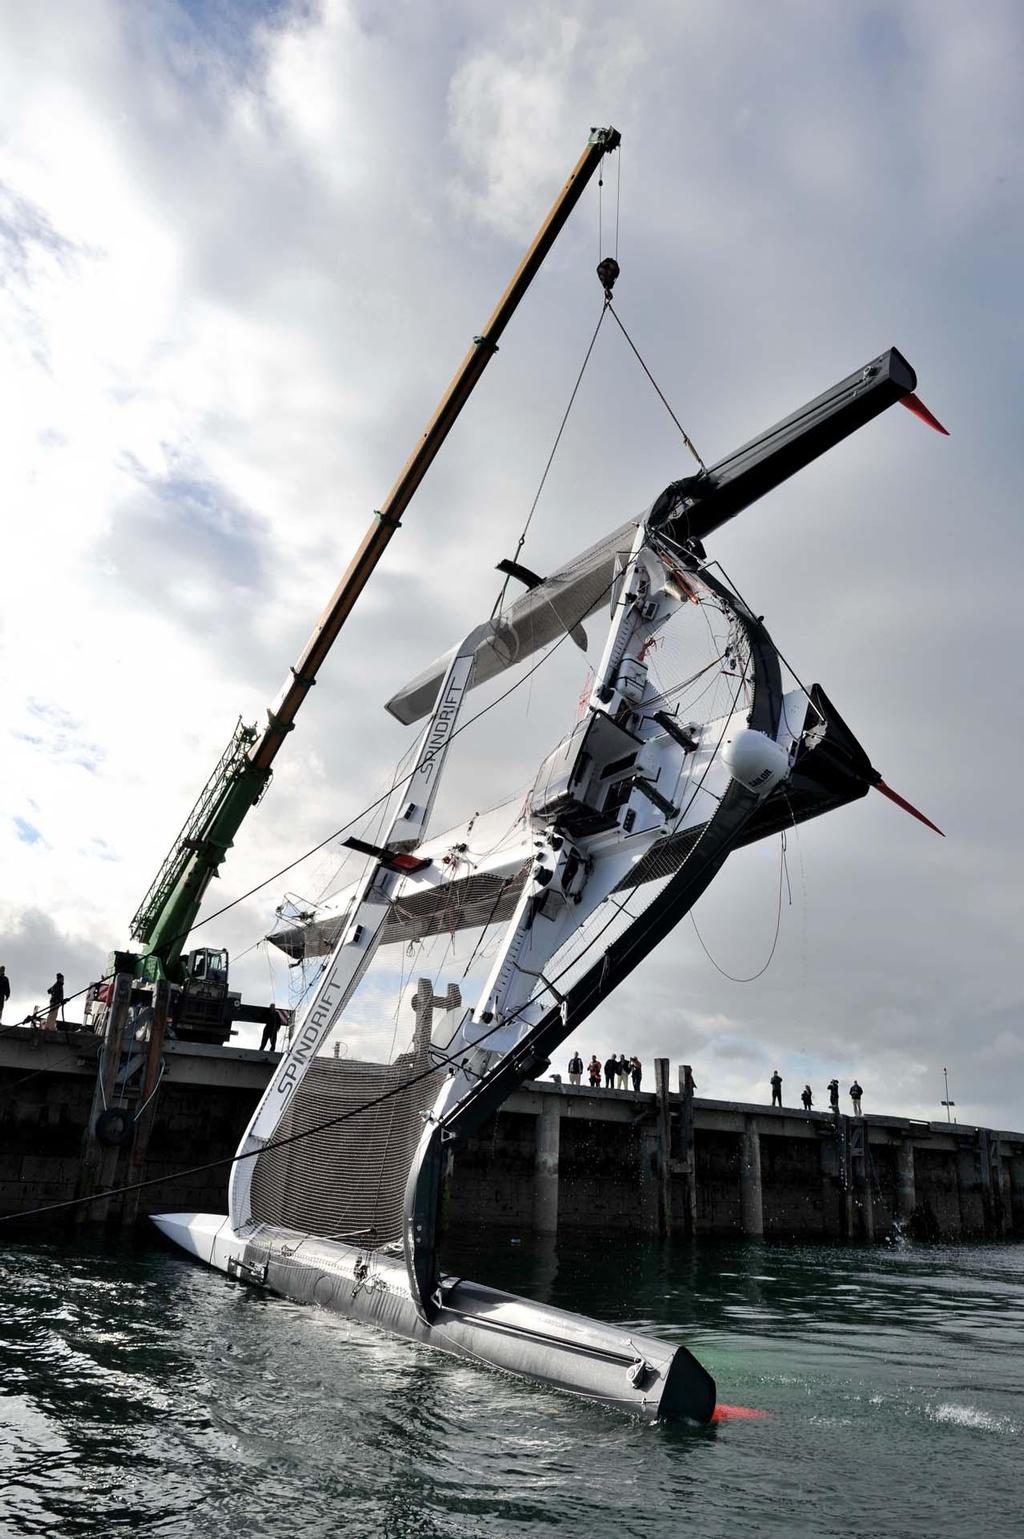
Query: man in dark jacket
(833,1094)
(575,1069)
(777,1089)
(268,1041)
(611,1068)
(636,1070)
(5,988)
(56,993)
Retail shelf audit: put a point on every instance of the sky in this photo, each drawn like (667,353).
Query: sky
(243,248)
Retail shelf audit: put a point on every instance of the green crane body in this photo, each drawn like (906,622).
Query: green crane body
(169,910)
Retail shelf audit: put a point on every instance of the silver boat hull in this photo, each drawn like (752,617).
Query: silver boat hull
(638,1374)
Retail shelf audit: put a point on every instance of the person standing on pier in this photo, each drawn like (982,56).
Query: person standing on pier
(776,1083)
(807,1097)
(594,1070)
(636,1070)
(611,1068)
(623,1072)
(268,1041)
(855,1094)
(833,1096)
(5,989)
(575,1069)
(56,993)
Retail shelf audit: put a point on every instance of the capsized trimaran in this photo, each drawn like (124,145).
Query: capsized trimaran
(335,1193)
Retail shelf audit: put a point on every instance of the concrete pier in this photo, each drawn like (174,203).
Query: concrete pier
(556,1157)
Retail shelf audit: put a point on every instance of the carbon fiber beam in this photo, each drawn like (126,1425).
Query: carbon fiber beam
(695,507)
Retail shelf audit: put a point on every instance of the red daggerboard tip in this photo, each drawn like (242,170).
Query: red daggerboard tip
(901,801)
(915,404)
(737,1413)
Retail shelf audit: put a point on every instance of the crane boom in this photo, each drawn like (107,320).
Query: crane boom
(169,910)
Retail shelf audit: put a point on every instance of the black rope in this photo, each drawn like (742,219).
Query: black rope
(687,440)
(783,873)
(554,450)
(728,580)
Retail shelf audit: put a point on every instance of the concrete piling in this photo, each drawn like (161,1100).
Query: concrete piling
(545,1192)
(751,1197)
(661,1093)
(906,1189)
(687,1158)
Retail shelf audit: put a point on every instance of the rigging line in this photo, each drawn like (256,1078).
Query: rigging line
(483,933)
(499,602)
(775,939)
(687,440)
(270,973)
(789,665)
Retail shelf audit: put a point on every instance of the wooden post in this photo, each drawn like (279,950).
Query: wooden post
(146,1114)
(100,1162)
(664,1148)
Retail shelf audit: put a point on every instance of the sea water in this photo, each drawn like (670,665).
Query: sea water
(141,1393)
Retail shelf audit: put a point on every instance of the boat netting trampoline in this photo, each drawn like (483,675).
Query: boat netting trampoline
(347,1181)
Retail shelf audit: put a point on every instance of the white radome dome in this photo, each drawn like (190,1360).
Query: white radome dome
(755,760)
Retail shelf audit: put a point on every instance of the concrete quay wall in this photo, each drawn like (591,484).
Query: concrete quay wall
(556,1156)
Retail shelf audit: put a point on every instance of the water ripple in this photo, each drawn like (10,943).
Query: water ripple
(140,1393)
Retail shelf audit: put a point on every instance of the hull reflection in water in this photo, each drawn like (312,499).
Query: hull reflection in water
(633,1373)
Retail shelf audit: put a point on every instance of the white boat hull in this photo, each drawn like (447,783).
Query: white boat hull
(641,1375)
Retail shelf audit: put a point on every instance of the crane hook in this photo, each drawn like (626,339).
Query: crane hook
(607,272)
